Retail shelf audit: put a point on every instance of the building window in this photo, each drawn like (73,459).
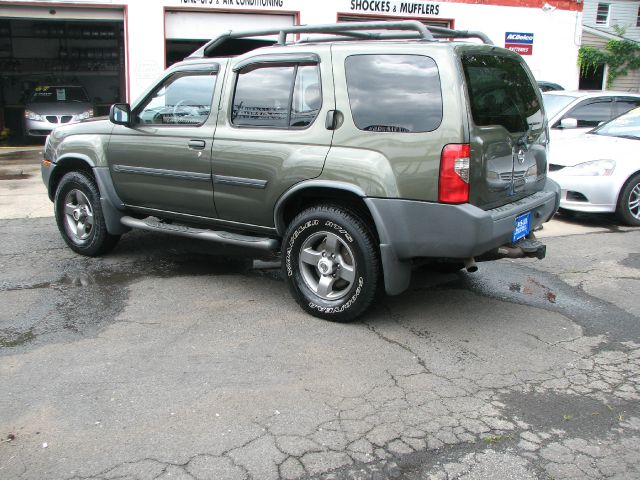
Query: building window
(638,19)
(602,17)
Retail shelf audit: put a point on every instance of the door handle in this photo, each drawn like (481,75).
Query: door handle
(197,144)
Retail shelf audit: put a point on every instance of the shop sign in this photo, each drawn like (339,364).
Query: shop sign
(416,9)
(519,42)
(257,4)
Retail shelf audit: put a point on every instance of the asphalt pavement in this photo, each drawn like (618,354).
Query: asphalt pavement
(181,359)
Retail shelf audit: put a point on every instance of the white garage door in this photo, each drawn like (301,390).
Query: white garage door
(61,13)
(207,25)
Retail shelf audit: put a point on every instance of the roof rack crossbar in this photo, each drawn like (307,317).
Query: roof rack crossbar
(452,34)
(348,28)
(413,29)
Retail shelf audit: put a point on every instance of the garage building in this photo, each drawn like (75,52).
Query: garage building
(116,48)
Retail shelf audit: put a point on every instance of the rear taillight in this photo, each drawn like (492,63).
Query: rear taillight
(453,185)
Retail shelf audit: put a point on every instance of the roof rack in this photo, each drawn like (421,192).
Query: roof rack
(347,30)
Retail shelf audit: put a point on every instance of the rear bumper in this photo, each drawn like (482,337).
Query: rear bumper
(412,229)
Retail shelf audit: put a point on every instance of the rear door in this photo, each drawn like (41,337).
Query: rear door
(271,131)
(508,132)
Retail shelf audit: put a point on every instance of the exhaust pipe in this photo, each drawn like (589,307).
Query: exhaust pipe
(470,265)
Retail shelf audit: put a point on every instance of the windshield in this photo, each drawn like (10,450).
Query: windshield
(627,126)
(554,103)
(58,94)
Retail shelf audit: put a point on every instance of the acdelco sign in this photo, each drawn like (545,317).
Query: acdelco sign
(519,42)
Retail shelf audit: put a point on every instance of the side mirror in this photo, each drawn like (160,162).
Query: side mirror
(568,123)
(120,114)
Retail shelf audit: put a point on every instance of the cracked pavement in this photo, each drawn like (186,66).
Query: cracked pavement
(176,359)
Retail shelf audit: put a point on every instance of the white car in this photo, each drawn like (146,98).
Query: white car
(573,113)
(599,171)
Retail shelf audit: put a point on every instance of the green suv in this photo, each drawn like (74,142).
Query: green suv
(354,155)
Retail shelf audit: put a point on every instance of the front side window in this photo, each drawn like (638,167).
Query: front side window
(592,113)
(602,15)
(277,96)
(182,99)
(501,93)
(623,105)
(394,93)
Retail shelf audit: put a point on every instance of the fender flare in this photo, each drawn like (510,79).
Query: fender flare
(396,272)
(112,206)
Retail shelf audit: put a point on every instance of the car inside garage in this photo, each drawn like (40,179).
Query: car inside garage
(41,48)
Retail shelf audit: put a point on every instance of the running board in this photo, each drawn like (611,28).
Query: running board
(261,243)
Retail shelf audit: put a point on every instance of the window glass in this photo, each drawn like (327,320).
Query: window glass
(58,94)
(394,93)
(627,125)
(623,105)
(183,99)
(501,93)
(307,96)
(262,96)
(591,114)
(553,104)
(602,15)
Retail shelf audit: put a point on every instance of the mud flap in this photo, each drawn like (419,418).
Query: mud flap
(397,273)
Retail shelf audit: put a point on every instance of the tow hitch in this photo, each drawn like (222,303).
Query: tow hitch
(527,247)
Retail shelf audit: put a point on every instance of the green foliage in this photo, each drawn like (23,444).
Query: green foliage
(621,56)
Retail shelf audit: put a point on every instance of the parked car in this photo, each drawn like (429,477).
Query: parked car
(442,157)
(572,113)
(548,86)
(51,106)
(599,171)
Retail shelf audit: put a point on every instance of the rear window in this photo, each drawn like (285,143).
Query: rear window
(394,93)
(501,93)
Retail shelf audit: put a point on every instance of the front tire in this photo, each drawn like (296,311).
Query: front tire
(628,209)
(79,215)
(331,263)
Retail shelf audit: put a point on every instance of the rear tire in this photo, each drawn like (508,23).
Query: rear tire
(331,263)
(628,209)
(79,215)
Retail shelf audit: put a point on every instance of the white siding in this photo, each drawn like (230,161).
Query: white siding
(628,83)
(622,13)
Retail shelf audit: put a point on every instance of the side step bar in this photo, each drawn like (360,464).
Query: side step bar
(260,243)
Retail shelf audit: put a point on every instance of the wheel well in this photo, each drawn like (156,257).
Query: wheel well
(314,196)
(624,185)
(67,165)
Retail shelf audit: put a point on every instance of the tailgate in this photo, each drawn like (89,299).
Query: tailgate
(508,130)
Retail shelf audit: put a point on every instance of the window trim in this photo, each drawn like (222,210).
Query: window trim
(202,70)
(282,60)
(606,21)
(394,54)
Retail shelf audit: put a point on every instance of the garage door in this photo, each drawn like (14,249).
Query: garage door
(187,31)
(58,46)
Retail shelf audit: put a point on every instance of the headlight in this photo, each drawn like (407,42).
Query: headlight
(29,115)
(85,115)
(596,168)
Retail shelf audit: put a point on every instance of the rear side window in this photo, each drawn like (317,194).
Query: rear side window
(501,93)
(277,96)
(394,93)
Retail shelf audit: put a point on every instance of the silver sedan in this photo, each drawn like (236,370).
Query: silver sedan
(599,171)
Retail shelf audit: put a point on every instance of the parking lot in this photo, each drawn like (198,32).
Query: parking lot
(178,359)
